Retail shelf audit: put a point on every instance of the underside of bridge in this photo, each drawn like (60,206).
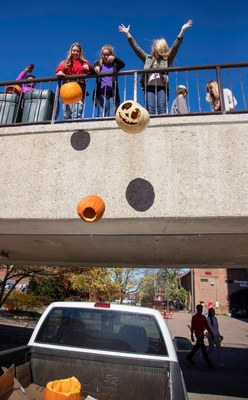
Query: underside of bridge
(127,243)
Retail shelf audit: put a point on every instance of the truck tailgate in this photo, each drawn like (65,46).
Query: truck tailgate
(104,377)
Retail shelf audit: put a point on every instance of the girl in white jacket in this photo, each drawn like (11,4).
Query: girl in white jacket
(213,97)
(214,326)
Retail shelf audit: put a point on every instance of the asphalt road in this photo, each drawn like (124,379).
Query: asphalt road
(229,383)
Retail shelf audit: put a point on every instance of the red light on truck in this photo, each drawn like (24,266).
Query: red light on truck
(102,305)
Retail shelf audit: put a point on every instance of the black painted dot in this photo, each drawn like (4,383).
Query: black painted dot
(80,140)
(140,194)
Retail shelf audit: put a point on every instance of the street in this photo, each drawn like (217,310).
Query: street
(229,383)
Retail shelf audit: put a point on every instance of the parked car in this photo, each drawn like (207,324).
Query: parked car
(131,302)
(9,285)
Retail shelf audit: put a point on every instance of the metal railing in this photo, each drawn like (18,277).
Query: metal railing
(43,104)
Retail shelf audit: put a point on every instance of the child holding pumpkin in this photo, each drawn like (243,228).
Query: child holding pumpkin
(106,95)
(74,64)
(156,85)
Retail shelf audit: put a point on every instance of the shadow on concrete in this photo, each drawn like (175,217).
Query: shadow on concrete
(229,381)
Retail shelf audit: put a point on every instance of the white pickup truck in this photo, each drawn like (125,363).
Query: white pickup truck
(117,352)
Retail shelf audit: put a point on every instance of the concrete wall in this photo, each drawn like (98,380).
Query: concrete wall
(179,167)
(183,176)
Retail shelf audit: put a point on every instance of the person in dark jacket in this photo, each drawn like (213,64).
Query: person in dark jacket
(156,85)
(106,95)
(199,324)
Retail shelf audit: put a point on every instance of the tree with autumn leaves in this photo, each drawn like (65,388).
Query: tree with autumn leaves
(61,283)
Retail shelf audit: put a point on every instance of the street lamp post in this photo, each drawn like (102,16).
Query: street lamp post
(192,291)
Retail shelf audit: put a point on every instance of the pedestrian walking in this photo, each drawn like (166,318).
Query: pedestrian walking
(217,339)
(199,324)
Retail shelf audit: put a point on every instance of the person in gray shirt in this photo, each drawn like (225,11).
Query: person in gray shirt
(179,105)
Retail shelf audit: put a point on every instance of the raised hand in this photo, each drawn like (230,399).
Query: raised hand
(187,25)
(124,29)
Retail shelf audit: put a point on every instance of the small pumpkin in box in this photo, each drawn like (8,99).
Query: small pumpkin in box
(131,117)
(63,389)
(71,93)
(91,208)
(13,89)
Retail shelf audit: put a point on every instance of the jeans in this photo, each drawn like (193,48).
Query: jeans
(106,106)
(73,111)
(156,100)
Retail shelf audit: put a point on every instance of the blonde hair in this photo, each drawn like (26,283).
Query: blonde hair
(162,48)
(181,90)
(106,47)
(67,61)
(214,95)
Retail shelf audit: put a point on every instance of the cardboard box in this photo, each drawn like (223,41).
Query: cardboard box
(21,387)
(12,389)
(7,381)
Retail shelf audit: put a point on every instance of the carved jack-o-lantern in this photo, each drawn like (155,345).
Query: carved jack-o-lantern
(131,117)
(91,208)
(63,389)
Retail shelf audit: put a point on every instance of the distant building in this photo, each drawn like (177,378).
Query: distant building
(225,289)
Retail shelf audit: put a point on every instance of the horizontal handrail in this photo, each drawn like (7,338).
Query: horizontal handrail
(195,78)
(128,72)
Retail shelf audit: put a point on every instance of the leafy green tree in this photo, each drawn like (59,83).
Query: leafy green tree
(18,273)
(147,290)
(169,279)
(97,282)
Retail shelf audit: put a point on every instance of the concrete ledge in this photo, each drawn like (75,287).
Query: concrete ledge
(182,178)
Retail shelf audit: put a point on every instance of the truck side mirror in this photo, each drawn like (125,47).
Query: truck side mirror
(182,344)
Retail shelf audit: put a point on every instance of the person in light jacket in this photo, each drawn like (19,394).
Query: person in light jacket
(179,105)
(216,339)
(213,97)
(156,84)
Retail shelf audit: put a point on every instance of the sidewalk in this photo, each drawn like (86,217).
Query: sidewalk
(229,383)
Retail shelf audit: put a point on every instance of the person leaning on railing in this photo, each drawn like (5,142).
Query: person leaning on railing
(26,75)
(106,94)
(179,105)
(156,84)
(74,64)
(213,97)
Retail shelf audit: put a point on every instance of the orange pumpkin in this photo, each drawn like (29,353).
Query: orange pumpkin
(91,208)
(13,89)
(63,389)
(71,93)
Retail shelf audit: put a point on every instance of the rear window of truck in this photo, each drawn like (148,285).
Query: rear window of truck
(109,330)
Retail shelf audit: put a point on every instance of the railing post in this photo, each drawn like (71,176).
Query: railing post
(135,86)
(219,79)
(56,102)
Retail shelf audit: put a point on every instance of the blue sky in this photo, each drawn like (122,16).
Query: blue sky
(41,31)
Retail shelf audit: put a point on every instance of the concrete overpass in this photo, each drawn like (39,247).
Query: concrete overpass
(175,195)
